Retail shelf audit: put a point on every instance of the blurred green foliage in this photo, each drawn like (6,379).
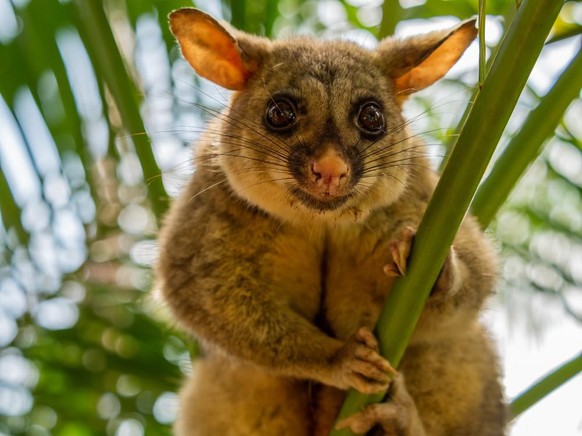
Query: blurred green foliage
(96,114)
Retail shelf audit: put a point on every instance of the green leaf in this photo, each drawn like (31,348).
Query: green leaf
(546,385)
(526,144)
(110,66)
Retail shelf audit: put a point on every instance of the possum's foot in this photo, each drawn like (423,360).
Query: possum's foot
(397,416)
(400,250)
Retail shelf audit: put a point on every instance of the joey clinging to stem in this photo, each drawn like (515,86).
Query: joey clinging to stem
(307,188)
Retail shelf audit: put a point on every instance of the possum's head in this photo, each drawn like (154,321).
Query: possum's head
(315,127)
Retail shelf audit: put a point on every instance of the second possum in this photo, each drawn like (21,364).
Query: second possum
(282,248)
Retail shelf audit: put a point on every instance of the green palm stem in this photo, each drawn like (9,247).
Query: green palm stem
(546,385)
(238,12)
(458,183)
(10,211)
(271,14)
(508,14)
(12,79)
(111,68)
(569,32)
(391,15)
(482,46)
(526,145)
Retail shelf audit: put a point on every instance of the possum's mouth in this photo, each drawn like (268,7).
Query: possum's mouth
(319,204)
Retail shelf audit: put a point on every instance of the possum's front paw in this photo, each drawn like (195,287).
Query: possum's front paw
(397,416)
(359,365)
(400,250)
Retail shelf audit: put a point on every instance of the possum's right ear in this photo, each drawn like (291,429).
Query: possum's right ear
(213,51)
(417,62)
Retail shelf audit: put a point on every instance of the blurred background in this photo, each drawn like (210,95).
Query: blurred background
(97,111)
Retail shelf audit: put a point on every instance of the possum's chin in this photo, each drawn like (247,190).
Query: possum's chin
(339,209)
(323,204)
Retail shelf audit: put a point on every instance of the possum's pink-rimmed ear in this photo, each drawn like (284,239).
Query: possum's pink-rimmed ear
(213,51)
(417,62)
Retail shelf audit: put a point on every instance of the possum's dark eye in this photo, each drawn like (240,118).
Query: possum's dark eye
(370,119)
(281,114)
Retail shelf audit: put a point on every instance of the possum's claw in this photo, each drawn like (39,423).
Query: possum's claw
(400,250)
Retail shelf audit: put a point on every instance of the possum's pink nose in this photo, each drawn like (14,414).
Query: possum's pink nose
(329,172)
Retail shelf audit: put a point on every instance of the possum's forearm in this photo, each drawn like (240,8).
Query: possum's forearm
(251,326)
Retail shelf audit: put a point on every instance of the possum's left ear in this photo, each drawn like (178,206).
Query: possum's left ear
(417,62)
(217,52)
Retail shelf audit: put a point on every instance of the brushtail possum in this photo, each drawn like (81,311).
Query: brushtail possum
(299,217)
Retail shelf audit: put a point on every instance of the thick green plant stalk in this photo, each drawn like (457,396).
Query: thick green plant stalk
(112,69)
(526,145)
(458,183)
(546,385)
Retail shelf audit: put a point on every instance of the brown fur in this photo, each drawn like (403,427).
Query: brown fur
(275,290)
